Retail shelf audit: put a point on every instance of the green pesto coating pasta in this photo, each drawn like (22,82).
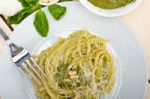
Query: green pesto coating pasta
(78,67)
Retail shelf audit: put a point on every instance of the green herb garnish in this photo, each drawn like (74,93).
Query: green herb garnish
(16,19)
(57,11)
(27,3)
(41,23)
(29,6)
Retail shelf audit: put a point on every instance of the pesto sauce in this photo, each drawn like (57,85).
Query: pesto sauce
(110,4)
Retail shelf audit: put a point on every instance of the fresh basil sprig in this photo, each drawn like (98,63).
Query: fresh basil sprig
(29,6)
(41,23)
(16,19)
(27,3)
(57,11)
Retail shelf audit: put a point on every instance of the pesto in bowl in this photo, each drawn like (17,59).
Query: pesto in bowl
(110,4)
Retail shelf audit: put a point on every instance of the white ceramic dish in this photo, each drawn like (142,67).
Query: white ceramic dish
(113,12)
(122,40)
(50,3)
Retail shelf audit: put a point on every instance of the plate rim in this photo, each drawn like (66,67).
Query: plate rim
(143,52)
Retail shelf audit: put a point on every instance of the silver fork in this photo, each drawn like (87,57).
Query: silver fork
(24,61)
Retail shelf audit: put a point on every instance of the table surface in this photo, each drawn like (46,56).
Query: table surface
(138,21)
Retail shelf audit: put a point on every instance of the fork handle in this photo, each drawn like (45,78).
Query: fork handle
(6,38)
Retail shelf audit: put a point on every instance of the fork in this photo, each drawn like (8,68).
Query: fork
(24,61)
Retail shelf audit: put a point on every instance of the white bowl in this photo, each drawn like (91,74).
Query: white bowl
(50,3)
(110,12)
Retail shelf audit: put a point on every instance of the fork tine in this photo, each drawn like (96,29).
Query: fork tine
(33,69)
(22,71)
(24,66)
(38,67)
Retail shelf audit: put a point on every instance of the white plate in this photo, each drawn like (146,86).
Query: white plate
(111,12)
(50,3)
(134,68)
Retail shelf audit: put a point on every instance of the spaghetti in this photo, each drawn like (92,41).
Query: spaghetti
(78,67)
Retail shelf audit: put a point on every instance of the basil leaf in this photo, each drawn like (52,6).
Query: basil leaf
(27,3)
(22,14)
(57,11)
(41,23)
